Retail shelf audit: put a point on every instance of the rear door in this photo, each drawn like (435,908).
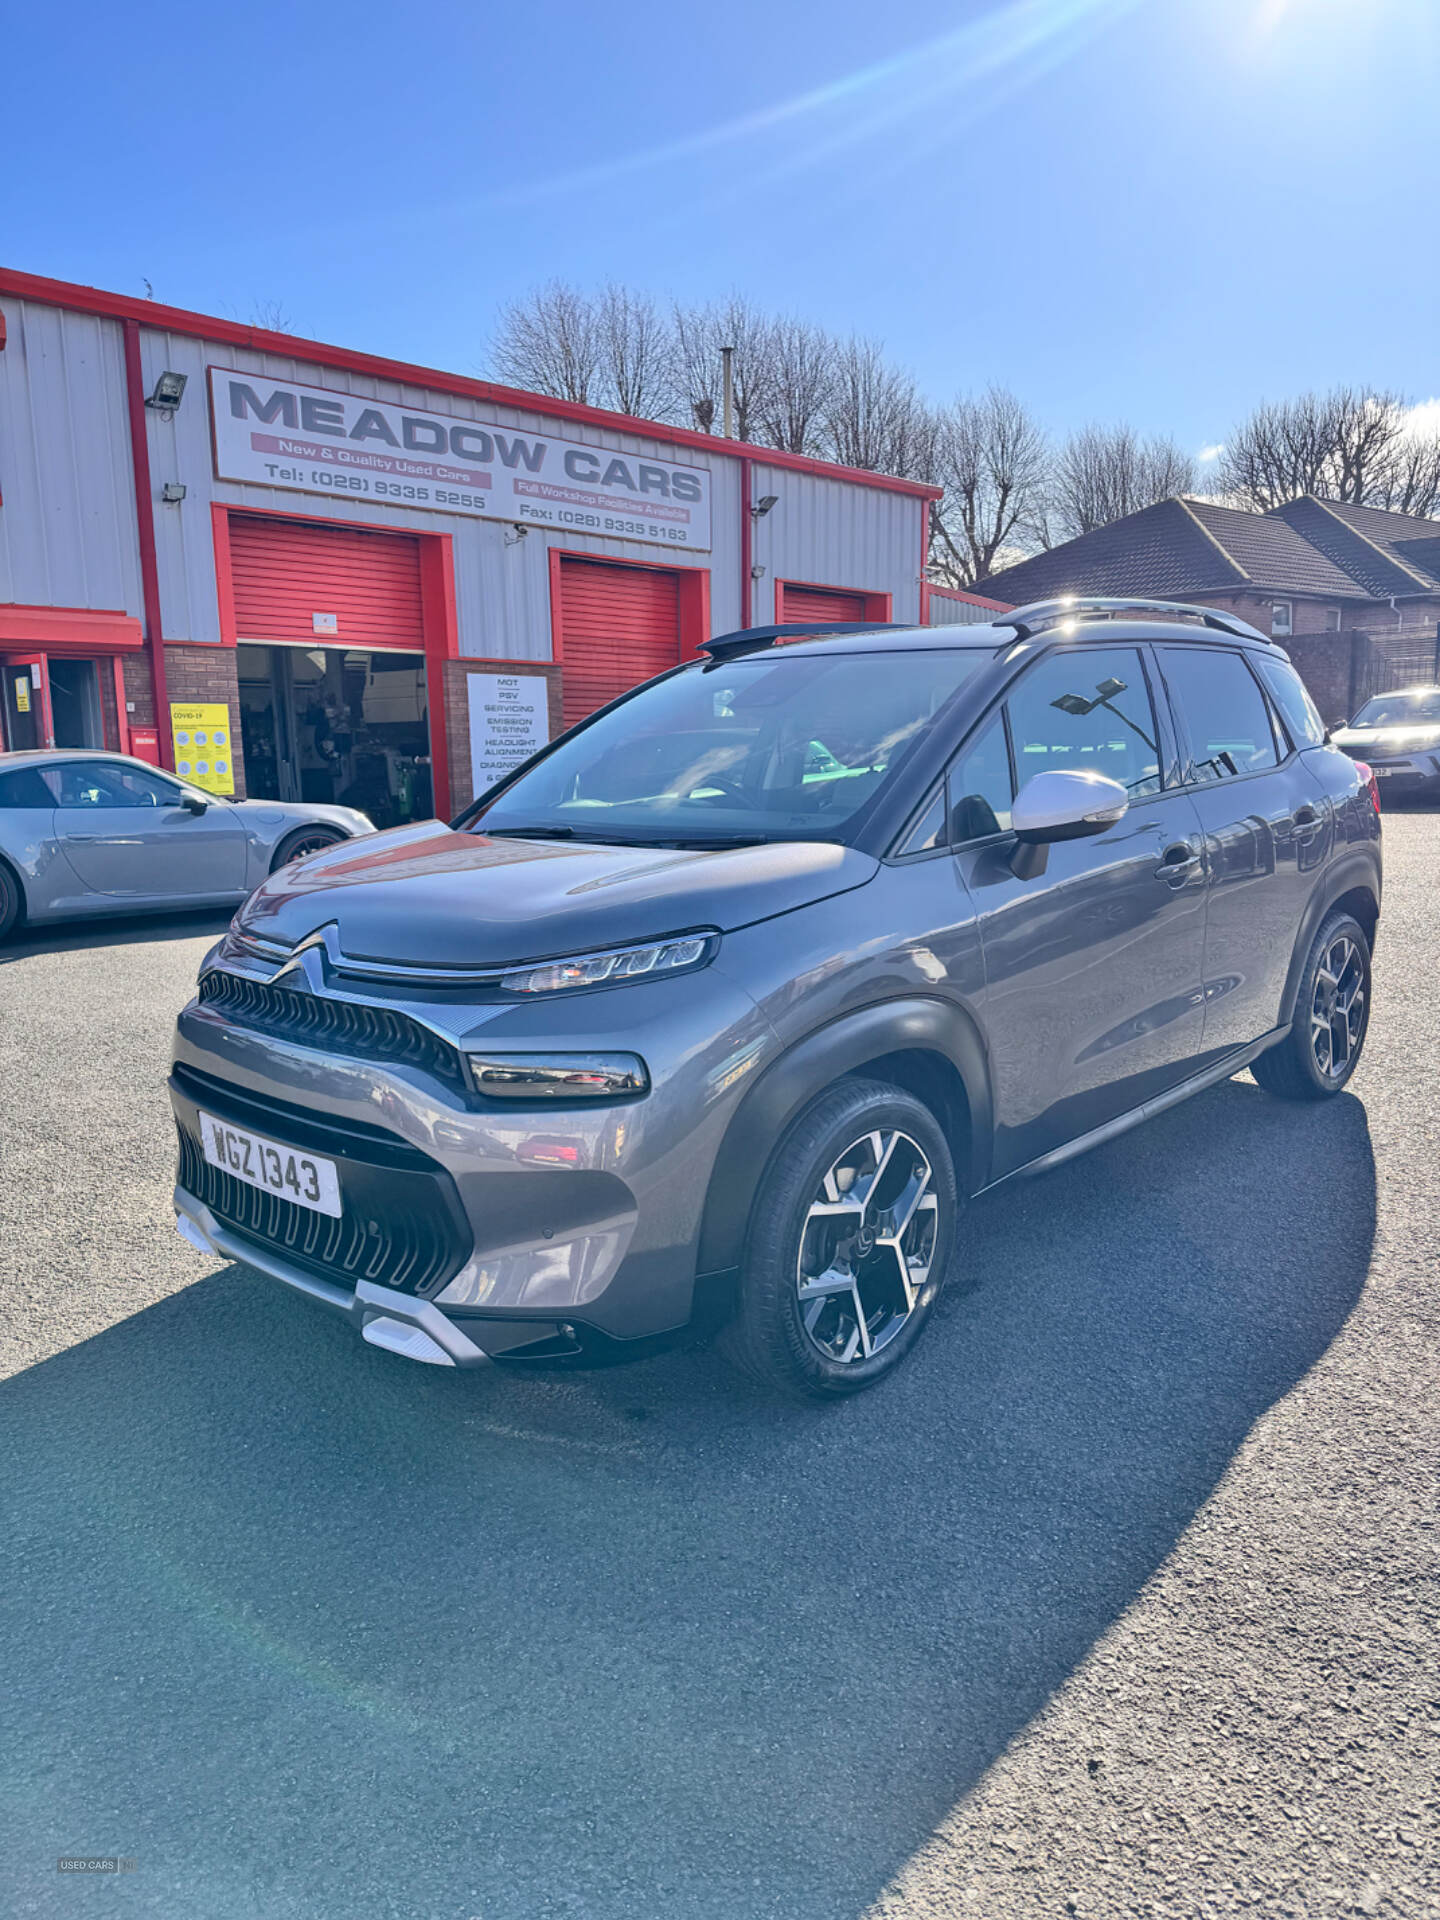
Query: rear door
(1267,825)
(1093,999)
(124,831)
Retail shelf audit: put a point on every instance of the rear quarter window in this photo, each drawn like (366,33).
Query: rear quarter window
(1292,697)
(25,787)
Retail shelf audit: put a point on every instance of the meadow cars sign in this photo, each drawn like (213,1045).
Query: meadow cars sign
(274,433)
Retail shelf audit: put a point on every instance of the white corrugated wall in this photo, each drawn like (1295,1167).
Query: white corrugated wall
(68,535)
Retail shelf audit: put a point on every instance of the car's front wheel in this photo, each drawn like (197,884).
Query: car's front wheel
(305,840)
(1332,1017)
(851,1235)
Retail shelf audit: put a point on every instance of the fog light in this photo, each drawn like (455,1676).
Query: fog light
(556,1076)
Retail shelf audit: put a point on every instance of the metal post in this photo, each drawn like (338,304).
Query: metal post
(727,356)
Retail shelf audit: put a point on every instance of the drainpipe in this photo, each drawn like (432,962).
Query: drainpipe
(145,527)
(747,527)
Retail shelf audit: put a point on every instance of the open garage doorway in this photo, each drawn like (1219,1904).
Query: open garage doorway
(337,724)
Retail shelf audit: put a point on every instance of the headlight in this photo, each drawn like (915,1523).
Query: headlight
(559,1076)
(622,963)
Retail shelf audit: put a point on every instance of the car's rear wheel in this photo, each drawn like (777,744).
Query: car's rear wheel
(1332,1017)
(851,1235)
(305,840)
(11,901)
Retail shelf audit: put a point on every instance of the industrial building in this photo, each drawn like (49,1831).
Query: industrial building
(299,571)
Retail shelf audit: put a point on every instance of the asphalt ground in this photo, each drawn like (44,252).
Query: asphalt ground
(1121,1599)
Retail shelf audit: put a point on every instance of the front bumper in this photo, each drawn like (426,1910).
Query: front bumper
(396,1321)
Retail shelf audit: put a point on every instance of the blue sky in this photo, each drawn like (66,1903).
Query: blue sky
(1158,210)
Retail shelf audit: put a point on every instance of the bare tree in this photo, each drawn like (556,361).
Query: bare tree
(273,315)
(872,415)
(800,387)
(548,343)
(993,460)
(699,334)
(1341,446)
(1410,481)
(634,354)
(1104,473)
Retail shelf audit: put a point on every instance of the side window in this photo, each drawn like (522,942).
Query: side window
(1290,695)
(1222,710)
(100,783)
(928,833)
(980,791)
(26,787)
(1087,710)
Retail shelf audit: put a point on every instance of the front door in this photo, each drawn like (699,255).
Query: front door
(21,705)
(124,831)
(1093,999)
(1266,825)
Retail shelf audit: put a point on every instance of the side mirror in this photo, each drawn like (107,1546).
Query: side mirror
(192,803)
(1067,805)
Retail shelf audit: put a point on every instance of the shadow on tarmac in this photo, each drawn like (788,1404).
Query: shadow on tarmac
(309,1631)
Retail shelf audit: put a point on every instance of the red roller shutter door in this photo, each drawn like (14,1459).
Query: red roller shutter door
(618,626)
(283,572)
(821,603)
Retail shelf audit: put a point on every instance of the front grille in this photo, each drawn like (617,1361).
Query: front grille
(399,1229)
(335,1026)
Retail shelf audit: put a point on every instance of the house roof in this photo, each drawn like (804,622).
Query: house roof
(1375,547)
(1181,549)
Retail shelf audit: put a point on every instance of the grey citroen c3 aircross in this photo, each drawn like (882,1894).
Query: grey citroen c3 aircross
(727,1001)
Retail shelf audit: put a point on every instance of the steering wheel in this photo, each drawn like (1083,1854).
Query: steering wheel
(730,794)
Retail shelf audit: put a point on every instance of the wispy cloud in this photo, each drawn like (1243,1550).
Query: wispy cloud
(1422,421)
(1213,452)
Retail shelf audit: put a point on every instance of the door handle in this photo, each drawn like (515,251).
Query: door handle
(1307,822)
(1178,861)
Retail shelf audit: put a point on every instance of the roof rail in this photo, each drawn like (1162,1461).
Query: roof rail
(725,645)
(1044,613)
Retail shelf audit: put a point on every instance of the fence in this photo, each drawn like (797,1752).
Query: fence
(1344,670)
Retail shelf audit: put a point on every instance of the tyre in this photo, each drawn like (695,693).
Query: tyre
(11,901)
(1332,1014)
(305,840)
(850,1237)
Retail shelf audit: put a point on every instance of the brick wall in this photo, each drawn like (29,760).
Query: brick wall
(139,689)
(199,673)
(457,714)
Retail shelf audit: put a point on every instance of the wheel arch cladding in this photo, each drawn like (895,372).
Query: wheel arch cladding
(1353,887)
(931,1048)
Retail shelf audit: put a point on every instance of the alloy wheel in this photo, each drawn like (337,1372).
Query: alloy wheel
(308,843)
(866,1246)
(1337,1007)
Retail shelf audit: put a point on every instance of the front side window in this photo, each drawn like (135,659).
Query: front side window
(980,791)
(102,783)
(754,749)
(1222,710)
(1089,711)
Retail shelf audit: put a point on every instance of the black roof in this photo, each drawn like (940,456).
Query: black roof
(1184,549)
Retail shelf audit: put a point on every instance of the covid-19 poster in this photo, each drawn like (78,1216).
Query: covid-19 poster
(203,753)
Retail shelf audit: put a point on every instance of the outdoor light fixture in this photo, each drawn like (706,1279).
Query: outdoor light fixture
(169,392)
(763,505)
(172,493)
(516,534)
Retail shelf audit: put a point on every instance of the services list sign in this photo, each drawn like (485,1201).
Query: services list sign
(509,720)
(274,433)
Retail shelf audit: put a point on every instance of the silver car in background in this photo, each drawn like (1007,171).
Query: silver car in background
(85,833)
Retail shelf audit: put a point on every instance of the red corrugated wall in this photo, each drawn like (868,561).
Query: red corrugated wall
(286,571)
(618,625)
(820,603)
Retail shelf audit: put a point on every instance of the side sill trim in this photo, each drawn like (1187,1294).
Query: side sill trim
(1197,1083)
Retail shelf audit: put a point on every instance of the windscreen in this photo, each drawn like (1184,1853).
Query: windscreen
(1401,709)
(757,749)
